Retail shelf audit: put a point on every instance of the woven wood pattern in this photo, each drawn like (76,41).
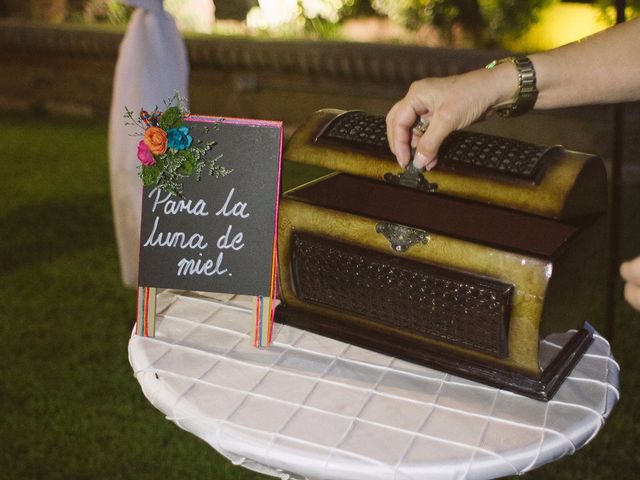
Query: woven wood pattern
(497,154)
(419,298)
(460,150)
(360,128)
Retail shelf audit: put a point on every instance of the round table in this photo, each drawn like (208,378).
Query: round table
(312,407)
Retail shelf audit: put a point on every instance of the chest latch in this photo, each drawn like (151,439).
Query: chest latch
(401,237)
(412,177)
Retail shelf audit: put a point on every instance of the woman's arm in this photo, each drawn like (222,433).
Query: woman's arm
(603,68)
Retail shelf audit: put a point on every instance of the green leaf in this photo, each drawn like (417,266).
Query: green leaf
(150,174)
(171,118)
(187,155)
(187,168)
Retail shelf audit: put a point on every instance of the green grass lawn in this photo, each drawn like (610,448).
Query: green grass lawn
(69,403)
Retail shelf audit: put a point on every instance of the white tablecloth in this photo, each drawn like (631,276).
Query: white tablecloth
(312,407)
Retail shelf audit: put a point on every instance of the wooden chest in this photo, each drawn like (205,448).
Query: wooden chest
(465,276)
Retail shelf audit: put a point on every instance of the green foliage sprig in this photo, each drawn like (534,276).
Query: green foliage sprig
(167,152)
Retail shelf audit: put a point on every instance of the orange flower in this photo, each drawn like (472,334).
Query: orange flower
(156,139)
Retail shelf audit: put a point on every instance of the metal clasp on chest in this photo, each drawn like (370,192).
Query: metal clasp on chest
(411,177)
(401,237)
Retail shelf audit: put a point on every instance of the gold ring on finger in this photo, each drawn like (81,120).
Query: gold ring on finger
(420,126)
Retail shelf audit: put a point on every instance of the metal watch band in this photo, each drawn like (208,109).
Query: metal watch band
(527,93)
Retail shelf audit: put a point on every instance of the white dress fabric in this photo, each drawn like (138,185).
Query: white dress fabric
(309,407)
(152,66)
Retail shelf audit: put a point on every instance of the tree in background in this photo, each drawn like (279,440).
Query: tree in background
(479,23)
(607,7)
(467,23)
(470,22)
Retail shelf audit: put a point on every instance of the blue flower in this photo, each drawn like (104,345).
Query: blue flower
(179,138)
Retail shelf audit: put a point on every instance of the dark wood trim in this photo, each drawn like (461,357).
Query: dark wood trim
(439,214)
(542,388)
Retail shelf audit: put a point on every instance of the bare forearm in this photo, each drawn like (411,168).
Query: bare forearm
(603,68)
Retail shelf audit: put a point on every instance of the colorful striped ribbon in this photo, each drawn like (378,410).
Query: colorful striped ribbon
(265,314)
(265,310)
(146,317)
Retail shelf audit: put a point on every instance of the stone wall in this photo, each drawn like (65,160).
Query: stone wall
(45,66)
(69,70)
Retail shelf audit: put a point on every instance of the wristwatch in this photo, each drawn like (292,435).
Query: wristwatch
(527,93)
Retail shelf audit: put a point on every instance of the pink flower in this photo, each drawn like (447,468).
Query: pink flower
(144,154)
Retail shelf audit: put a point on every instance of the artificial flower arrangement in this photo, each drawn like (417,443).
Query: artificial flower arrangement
(167,150)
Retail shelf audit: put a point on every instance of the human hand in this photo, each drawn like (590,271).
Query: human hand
(630,272)
(448,104)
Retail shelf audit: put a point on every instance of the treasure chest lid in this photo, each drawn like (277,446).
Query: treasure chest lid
(544,180)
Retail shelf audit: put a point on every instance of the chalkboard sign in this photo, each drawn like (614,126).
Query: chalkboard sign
(219,234)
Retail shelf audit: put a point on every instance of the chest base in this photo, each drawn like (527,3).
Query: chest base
(541,388)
